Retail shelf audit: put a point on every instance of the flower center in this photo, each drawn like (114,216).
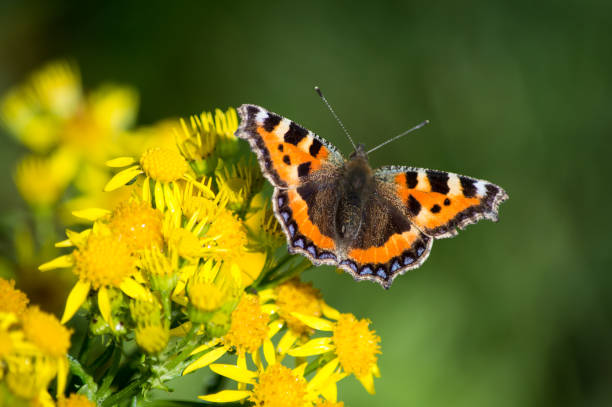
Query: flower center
(137,225)
(278,386)
(13,300)
(356,345)
(249,325)
(104,261)
(163,164)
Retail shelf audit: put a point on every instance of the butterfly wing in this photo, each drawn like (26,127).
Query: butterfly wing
(439,202)
(286,151)
(304,170)
(387,244)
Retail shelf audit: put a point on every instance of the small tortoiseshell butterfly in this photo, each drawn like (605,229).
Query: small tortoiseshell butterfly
(375,224)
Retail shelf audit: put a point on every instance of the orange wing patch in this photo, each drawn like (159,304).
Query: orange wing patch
(439,202)
(285,150)
(299,210)
(395,246)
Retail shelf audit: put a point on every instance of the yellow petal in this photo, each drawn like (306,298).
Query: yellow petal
(206,346)
(75,299)
(257,360)
(62,373)
(323,374)
(122,178)
(315,346)
(330,388)
(181,330)
(120,162)
(274,327)
(319,324)
(205,360)
(376,370)
(367,381)
(299,371)
(269,352)
(269,309)
(132,289)
(226,396)
(105,305)
(146,191)
(235,373)
(286,342)
(91,213)
(329,312)
(266,295)
(58,263)
(158,193)
(251,264)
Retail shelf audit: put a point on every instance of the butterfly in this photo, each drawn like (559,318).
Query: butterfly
(374,224)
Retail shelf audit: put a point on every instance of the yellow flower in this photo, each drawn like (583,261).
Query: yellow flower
(355,346)
(249,330)
(263,228)
(164,166)
(41,181)
(57,87)
(13,300)
(223,125)
(102,262)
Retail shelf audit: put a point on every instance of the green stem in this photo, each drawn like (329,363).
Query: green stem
(77,369)
(127,392)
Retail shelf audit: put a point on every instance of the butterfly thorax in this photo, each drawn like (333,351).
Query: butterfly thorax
(355,187)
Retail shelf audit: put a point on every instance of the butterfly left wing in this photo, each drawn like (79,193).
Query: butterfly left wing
(286,151)
(303,169)
(439,202)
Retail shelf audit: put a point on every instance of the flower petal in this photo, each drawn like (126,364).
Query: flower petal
(105,305)
(234,372)
(158,193)
(58,263)
(62,374)
(132,289)
(122,178)
(274,327)
(319,324)
(323,374)
(315,346)
(225,396)
(120,162)
(269,352)
(205,360)
(367,381)
(207,345)
(75,299)
(91,213)
(286,342)
(329,312)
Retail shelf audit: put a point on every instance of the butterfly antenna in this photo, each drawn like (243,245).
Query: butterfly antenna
(318,90)
(418,126)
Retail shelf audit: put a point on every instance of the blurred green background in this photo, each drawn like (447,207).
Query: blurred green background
(516,313)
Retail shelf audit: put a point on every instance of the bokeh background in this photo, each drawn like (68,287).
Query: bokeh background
(517,313)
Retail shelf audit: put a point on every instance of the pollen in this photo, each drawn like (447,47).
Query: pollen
(46,332)
(163,164)
(75,400)
(356,345)
(103,261)
(13,300)
(249,326)
(296,296)
(278,386)
(137,225)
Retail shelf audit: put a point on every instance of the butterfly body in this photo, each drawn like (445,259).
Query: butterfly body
(374,224)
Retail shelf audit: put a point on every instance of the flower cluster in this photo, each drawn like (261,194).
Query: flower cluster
(186,264)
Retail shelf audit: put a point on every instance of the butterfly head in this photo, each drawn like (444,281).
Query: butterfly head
(359,152)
